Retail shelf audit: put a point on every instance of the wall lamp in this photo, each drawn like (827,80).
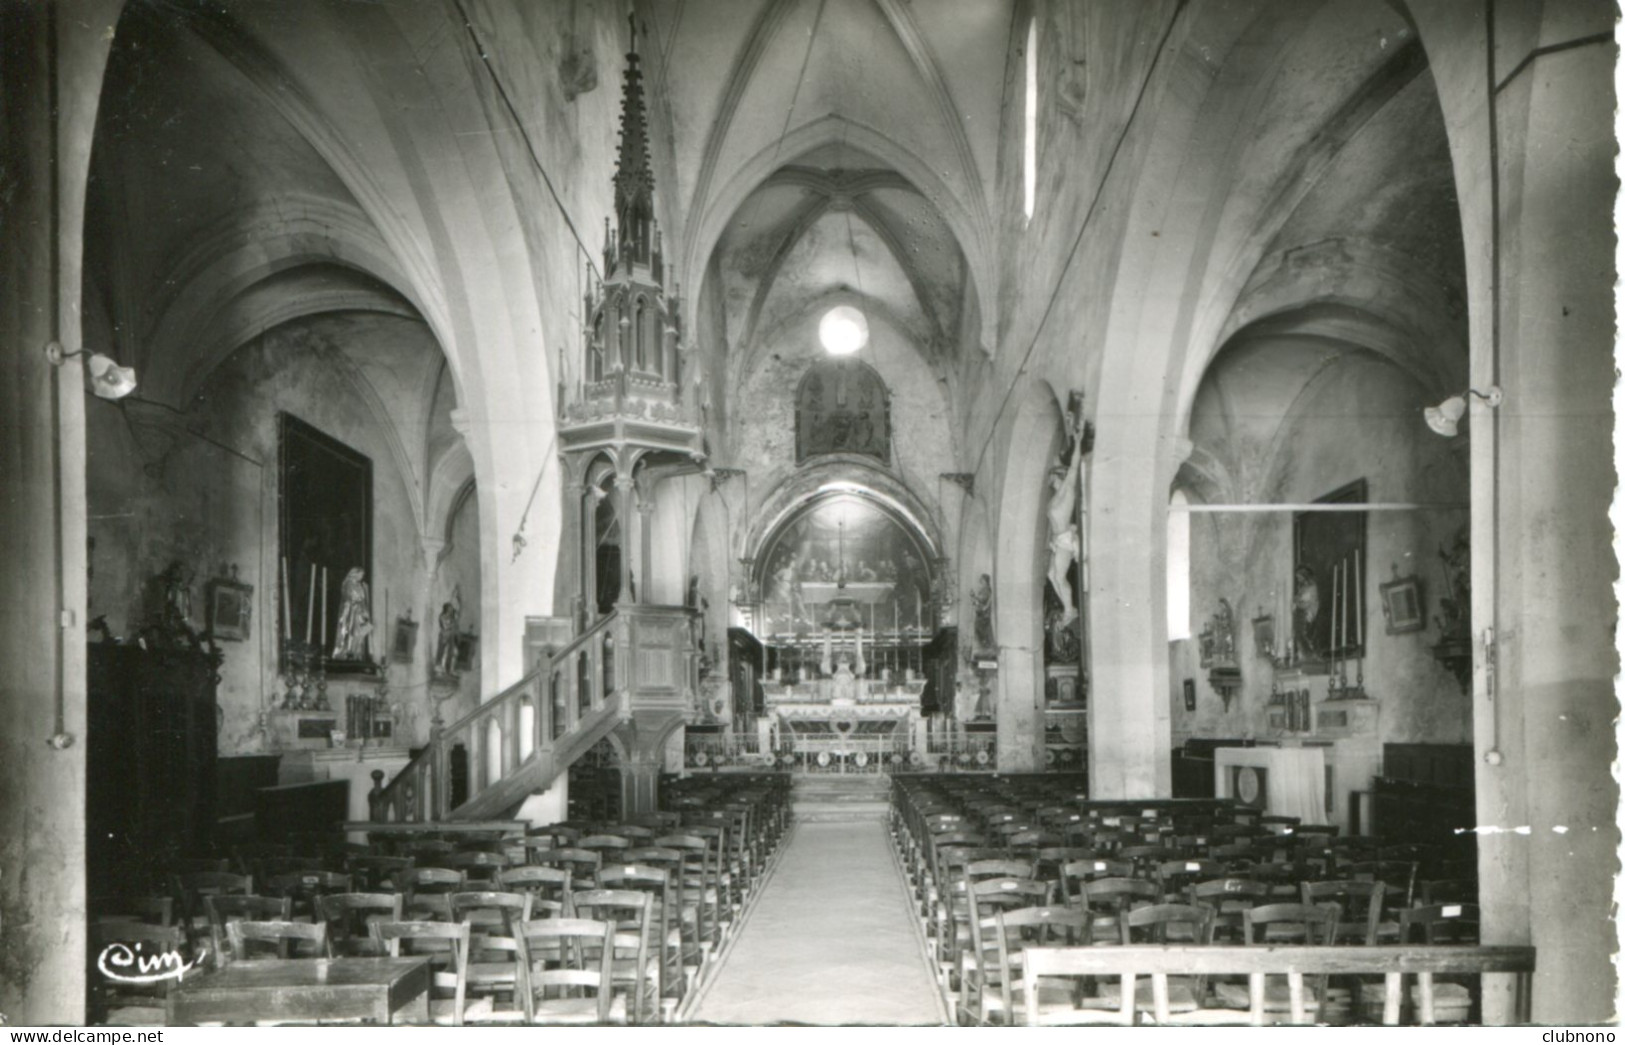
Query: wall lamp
(1446,417)
(108,380)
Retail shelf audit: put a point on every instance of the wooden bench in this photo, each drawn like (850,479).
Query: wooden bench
(1393,963)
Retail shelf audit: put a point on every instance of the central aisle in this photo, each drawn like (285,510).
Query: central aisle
(832,940)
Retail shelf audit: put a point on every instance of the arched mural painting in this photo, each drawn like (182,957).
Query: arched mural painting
(839,547)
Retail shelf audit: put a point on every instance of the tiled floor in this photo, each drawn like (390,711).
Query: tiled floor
(831,941)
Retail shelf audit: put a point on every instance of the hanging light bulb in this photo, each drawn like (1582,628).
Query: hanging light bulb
(1445,419)
(843,330)
(108,380)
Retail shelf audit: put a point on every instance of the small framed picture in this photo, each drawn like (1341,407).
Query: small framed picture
(468,649)
(1190,694)
(406,639)
(1264,636)
(230,605)
(1402,605)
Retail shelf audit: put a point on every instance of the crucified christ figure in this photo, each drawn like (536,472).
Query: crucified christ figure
(1063,525)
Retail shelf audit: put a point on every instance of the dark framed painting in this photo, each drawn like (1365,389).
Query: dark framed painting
(1190,694)
(406,639)
(324,512)
(1402,605)
(230,607)
(1329,562)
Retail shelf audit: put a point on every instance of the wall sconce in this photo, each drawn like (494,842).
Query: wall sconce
(108,380)
(1445,418)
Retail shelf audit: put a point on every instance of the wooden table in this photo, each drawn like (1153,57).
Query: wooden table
(305,990)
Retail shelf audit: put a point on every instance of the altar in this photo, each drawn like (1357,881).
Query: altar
(843,714)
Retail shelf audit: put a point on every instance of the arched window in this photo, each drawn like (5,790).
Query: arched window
(1179,567)
(1029,143)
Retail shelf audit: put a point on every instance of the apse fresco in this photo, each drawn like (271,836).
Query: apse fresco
(883,565)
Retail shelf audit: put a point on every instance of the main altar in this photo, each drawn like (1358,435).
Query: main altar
(844,705)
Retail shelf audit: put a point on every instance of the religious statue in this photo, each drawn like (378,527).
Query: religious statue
(845,688)
(1224,634)
(1456,606)
(177,613)
(445,650)
(1063,525)
(787,590)
(355,618)
(982,603)
(1305,611)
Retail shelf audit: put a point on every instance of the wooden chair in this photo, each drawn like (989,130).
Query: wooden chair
(1164,923)
(583,864)
(1104,900)
(549,888)
(428,892)
(698,883)
(1014,933)
(977,969)
(283,939)
(1308,924)
(1360,904)
(634,970)
(1085,869)
(191,887)
(303,887)
(349,918)
(1229,897)
(564,959)
(378,874)
(445,944)
(665,929)
(1053,993)
(1174,877)
(1438,924)
(118,945)
(477,865)
(223,910)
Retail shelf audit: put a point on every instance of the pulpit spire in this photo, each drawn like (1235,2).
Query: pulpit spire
(638,235)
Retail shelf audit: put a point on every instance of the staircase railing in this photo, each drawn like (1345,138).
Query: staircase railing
(545,717)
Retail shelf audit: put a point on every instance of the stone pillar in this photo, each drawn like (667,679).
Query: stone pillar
(1540,259)
(625,504)
(1129,718)
(52,57)
(646,573)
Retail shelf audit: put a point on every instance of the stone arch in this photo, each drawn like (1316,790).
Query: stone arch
(712,215)
(1019,560)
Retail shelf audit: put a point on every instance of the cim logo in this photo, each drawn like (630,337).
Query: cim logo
(126,963)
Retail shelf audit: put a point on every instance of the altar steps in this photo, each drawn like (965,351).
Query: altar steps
(834,797)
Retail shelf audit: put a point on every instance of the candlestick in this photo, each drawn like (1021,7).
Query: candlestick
(310,604)
(324,605)
(1359,601)
(287,596)
(1331,640)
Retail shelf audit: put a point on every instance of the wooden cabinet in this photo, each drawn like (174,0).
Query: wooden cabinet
(1425,796)
(150,747)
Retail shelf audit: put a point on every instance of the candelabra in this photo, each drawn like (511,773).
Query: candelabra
(304,677)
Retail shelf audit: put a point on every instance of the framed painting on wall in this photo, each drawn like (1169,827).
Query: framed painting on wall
(1328,578)
(1402,605)
(324,512)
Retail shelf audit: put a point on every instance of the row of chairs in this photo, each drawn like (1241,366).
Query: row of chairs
(949,843)
(697,863)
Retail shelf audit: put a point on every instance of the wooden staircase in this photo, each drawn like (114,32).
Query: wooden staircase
(637,661)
